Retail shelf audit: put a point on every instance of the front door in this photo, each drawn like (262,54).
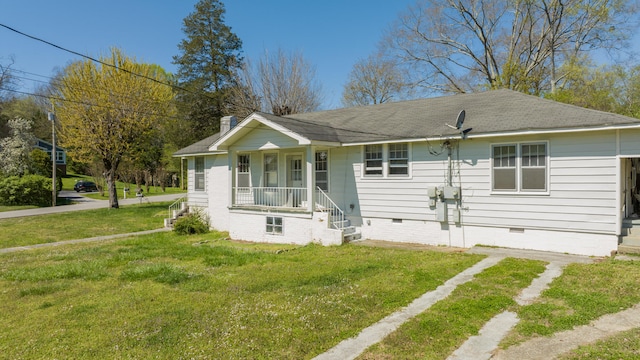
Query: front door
(294,172)
(295,181)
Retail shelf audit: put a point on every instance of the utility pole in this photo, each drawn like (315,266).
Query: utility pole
(54,157)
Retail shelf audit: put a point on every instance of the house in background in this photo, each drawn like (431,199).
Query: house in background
(519,172)
(61,155)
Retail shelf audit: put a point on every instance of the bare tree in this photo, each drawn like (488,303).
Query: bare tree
(463,45)
(6,79)
(374,80)
(281,83)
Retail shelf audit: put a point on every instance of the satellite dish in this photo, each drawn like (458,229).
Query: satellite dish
(459,122)
(460,119)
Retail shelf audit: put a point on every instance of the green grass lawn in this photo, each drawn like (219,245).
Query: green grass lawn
(81,224)
(167,296)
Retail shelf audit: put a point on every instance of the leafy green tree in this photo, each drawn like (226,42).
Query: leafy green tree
(108,113)
(208,58)
(28,107)
(40,163)
(607,88)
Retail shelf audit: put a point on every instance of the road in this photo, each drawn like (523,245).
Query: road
(84,203)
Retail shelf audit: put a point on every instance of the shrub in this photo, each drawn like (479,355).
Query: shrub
(196,222)
(25,190)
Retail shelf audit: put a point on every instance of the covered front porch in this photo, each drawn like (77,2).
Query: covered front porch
(286,181)
(278,186)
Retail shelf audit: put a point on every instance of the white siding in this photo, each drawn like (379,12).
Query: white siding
(581,197)
(263,137)
(198,198)
(219,186)
(630,142)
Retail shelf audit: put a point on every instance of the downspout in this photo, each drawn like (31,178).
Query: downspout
(619,182)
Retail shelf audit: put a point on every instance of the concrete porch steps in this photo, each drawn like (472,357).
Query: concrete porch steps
(349,232)
(168,222)
(630,238)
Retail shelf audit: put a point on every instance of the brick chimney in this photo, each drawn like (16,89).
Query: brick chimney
(227,123)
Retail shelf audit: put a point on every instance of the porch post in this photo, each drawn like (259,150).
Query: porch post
(311,178)
(231,160)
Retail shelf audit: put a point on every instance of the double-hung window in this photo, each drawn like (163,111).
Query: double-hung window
(322,170)
(387,160)
(398,159)
(199,173)
(373,160)
(519,167)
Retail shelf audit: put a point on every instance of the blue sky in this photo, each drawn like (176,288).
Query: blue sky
(331,34)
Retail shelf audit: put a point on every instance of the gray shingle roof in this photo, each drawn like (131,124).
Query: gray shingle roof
(198,148)
(490,112)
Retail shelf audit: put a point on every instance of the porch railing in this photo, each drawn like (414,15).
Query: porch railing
(177,207)
(336,215)
(284,197)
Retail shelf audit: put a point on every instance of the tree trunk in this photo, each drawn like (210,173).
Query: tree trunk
(110,177)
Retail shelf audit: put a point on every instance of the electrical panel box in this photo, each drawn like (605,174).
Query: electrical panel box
(441,211)
(456,215)
(451,192)
(431,191)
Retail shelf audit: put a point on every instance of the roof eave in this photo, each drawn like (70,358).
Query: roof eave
(206,153)
(542,131)
(239,130)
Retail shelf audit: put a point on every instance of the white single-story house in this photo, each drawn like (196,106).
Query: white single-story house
(519,172)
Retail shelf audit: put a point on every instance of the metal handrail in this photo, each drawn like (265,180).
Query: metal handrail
(324,203)
(177,205)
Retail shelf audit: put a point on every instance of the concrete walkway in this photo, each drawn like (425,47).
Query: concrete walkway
(80,241)
(353,347)
(85,203)
(485,344)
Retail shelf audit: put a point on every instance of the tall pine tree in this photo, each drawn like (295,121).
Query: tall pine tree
(210,54)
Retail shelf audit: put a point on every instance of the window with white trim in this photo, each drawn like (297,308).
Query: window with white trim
(387,160)
(398,159)
(274,225)
(519,167)
(199,173)
(373,160)
(322,170)
(270,170)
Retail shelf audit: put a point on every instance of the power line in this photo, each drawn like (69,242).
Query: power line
(159,82)
(101,62)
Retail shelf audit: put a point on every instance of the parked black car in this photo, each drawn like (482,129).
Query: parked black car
(85,186)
